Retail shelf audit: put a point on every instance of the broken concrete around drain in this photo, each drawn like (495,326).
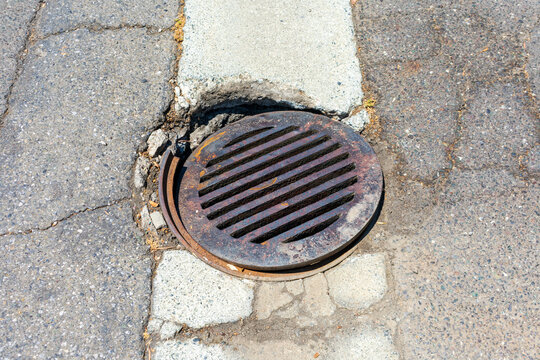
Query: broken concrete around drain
(157,141)
(158,220)
(191,349)
(186,290)
(368,342)
(270,297)
(357,121)
(358,282)
(169,329)
(316,300)
(142,165)
(146,220)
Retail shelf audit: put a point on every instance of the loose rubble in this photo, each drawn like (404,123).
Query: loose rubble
(157,141)
(357,121)
(358,282)
(141,172)
(157,220)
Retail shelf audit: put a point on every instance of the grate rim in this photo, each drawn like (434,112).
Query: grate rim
(289,182)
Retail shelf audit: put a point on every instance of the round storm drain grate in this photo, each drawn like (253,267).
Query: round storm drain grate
(280,194)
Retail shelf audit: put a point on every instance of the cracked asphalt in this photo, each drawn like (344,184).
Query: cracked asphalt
(455,86)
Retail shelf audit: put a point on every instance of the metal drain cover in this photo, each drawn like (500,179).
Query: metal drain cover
(276,191)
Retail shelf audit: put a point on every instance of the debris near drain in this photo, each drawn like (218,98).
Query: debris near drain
(146,220)
(201,133)
(179,148)
(357,121)
(157,141)
(141,172)
(157,220)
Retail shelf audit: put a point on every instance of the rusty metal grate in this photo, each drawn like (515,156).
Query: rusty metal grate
(275,191)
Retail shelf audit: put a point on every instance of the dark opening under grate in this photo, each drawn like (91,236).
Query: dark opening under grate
(279,190)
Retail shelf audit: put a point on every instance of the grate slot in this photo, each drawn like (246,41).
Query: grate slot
(264,165)
(274,174)
(251,145)
(247,135)
(257,155)
(312,230)
(289,209)
(291,194)
(302,219)
(268,190)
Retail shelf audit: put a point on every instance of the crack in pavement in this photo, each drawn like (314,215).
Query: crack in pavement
(21,56)
(56,222)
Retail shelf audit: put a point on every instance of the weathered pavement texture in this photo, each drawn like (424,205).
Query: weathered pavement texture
(456,85)
(448,272)
(80,87)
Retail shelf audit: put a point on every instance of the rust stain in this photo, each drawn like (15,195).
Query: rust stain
(265,186)
(208,142)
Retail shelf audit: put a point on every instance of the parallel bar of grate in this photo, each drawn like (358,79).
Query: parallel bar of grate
(248,135)
(251,145)
(208,169)
(291,201)
(295,233)
(295,207)
(252,155)
(288,223)
(259,178)
(312,229)
(317,174)
(263,162)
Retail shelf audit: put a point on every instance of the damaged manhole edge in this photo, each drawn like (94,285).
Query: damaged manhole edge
(170,169)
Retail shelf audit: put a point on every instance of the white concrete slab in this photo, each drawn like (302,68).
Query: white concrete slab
(302,53)
(187,291)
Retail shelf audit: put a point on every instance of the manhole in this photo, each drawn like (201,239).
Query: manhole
(280,194)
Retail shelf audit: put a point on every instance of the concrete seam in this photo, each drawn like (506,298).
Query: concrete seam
(99,28)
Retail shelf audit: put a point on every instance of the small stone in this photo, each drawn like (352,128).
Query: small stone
(316,300)
(157,142)
(358,282)
(169,329)
(154,197)
(141,172)
(358,121)
(295,287)
(270,297)
(186,290)
(146,220)
(157,220)
(182,103)
(154,325)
